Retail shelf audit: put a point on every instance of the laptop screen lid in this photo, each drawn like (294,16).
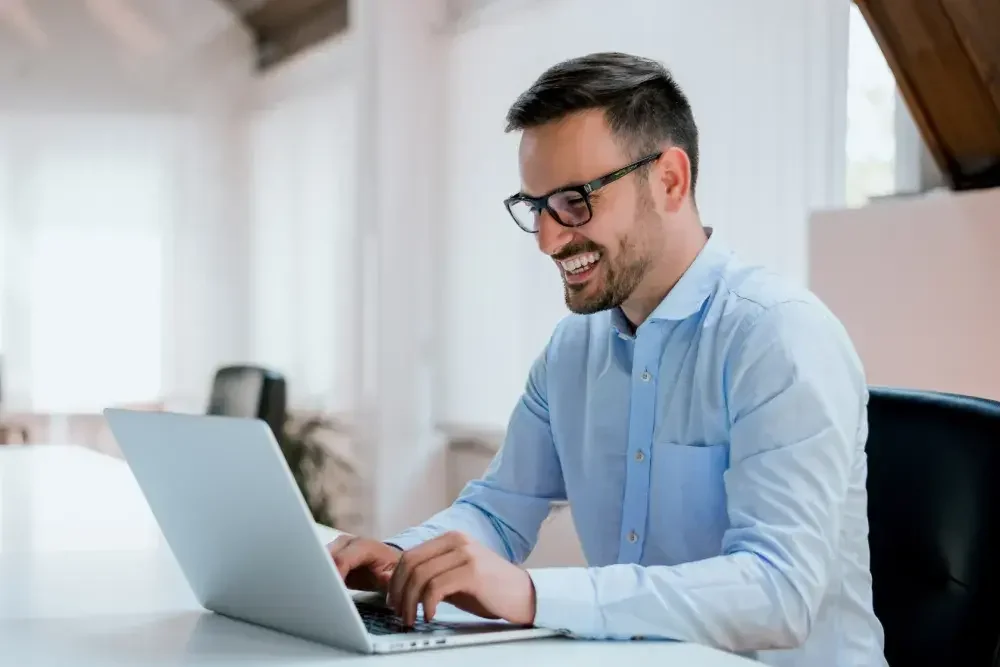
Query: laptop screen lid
(231,513)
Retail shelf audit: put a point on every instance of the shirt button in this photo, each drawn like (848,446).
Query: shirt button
(633,537)
(639,456)
(645,376)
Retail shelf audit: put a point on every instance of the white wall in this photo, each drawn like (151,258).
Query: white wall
(304,269)
(915,281)
(275,182)
(767,89)
(401,58)
(166,88)
(88,201)
(768,84)
(265,229)
(420,276)
(207,302)
(144,55)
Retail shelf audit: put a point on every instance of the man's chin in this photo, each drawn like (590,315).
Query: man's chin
(582,300)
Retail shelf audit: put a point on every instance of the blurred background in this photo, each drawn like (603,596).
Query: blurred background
(291,209)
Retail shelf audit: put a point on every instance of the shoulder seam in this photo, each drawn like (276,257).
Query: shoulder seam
(763,311)
(730,291)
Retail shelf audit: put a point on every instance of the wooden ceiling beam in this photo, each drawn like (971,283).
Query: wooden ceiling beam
(283,28)
(945,55)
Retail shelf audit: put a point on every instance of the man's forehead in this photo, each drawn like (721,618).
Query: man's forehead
(576,149)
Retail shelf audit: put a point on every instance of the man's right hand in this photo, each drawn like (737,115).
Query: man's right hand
(365,565)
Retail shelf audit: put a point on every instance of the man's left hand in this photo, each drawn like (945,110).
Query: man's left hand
(457,569)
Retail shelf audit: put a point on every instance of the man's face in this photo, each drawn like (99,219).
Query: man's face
(603,261)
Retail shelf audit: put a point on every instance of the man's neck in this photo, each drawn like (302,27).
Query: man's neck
(674,262)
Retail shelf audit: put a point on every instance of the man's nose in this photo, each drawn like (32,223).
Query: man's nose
(551,235)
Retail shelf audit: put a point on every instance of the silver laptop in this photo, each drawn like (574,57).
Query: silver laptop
(230,510)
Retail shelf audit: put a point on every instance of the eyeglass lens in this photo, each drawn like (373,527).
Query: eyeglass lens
(570,209)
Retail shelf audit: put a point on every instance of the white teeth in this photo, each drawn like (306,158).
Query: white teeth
(580,262)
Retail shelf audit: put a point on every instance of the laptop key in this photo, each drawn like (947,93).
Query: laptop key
(383,621)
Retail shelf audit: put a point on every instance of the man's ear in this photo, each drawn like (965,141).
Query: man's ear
(674,171)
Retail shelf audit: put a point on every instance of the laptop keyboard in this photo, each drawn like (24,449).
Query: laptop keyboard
(383,621)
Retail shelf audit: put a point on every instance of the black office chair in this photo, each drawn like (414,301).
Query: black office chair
(250,391)
(934,511)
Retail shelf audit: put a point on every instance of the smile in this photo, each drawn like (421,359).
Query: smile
(577,269)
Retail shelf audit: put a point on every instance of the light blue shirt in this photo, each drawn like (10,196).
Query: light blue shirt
(714,463)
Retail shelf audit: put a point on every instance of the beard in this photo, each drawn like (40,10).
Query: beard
(615,280)
(617,276)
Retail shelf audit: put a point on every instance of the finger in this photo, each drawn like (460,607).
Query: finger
(383,576)
(340,541)
(438,545)
(422,575)
(381,573)
(452,582)
(414,557)
(351,556)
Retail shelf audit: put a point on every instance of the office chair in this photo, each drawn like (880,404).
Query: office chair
(250,391)
(934,513)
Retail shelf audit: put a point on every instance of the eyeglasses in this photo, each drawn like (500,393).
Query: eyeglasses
(569,206)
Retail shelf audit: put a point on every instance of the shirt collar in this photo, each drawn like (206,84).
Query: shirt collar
(694,287)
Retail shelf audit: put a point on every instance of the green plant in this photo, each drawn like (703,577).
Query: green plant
(306,459)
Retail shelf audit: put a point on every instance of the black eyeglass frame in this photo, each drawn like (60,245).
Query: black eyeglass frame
(584,190)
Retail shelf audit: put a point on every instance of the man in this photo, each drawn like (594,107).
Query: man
(705,419)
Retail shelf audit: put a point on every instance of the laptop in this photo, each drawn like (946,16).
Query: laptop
(239,528)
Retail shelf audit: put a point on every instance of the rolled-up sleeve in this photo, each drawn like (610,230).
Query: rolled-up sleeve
(796,397)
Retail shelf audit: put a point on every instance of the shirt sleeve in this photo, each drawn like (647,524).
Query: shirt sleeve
(505,508)
(796,395)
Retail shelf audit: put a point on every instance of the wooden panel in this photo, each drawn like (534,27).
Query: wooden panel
(945,55)
(276,46)
(978,26)
(283,28)
(279,15)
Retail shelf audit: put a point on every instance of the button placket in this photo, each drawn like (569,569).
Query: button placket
(641,420)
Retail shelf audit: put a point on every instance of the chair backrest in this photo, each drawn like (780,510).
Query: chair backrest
(250,391)
(934,512)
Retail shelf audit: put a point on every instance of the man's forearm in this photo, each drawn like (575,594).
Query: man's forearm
(737,602)
(504,509)
(466,517)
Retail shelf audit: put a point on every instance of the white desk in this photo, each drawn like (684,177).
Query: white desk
(86,580)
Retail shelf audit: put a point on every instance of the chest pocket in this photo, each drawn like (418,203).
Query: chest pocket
(688,497)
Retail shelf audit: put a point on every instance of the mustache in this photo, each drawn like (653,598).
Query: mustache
(577,249)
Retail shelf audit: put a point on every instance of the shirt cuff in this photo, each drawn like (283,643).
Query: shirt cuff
(566,600)
(410,538)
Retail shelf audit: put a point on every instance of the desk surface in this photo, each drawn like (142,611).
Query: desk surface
(86,580)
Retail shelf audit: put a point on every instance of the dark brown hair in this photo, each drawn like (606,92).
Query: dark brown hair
(642,103)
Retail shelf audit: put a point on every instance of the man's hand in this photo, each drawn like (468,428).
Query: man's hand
(459,570)
(365,565)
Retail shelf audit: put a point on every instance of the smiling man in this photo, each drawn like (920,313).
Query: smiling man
(705,419)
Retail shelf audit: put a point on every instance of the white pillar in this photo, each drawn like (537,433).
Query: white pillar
(206,296)
(15,262)
(400,69)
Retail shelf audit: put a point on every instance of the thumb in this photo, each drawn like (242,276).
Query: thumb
(351,556)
